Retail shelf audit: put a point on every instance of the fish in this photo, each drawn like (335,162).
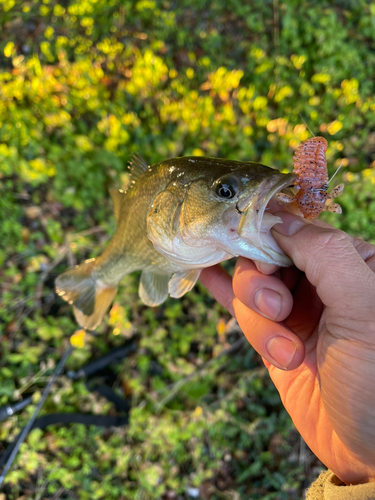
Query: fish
(178,217)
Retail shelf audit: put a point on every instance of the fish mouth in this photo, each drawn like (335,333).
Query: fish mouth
(257,218)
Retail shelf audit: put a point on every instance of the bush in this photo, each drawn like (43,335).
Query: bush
(83,84)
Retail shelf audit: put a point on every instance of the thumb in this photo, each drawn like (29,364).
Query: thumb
(330,261)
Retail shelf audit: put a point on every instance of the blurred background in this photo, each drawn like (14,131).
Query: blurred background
(85,83)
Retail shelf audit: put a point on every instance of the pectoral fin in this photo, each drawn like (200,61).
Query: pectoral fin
(183,282)
(153,288)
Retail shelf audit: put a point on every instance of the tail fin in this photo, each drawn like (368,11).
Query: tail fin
(89,296)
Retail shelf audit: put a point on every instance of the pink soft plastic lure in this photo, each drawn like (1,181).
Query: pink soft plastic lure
(310,167)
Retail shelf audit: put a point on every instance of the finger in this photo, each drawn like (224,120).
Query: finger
(219,283)
(306,312)
(266,295)
(271,297)
(290,276)
(265,268)
(366,250)
(330,262)
(273,341)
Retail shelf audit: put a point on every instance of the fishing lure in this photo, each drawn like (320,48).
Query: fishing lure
(310,166)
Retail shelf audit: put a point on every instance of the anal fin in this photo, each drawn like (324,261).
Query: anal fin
(182,282)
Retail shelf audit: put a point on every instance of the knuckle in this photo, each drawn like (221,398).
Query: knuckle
(325,253)
(331,240)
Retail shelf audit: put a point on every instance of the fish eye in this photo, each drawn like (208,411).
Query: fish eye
(226,188)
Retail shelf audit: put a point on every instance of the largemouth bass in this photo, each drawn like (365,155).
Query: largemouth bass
(179,216)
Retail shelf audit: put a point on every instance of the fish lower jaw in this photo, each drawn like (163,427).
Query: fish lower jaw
(258,219)
(256,241)
(262,248)
(270,241)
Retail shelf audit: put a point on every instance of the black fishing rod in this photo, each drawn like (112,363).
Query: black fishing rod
(88,370)
(8,410)
(38,407)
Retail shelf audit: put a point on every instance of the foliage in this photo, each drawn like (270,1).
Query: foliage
(82,85)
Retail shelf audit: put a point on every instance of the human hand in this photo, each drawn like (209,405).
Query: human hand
(314,326)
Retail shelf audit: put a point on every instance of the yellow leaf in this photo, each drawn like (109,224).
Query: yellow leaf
(198,412)
(78,339)
(8,49)
(350,177)
(321,78)
(260,102)
(220,328)
(198,152)
(334,127)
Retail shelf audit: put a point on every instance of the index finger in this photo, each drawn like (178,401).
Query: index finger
(219,283)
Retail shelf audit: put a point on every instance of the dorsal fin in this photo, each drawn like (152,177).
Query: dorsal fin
(117,196)
(137,166)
